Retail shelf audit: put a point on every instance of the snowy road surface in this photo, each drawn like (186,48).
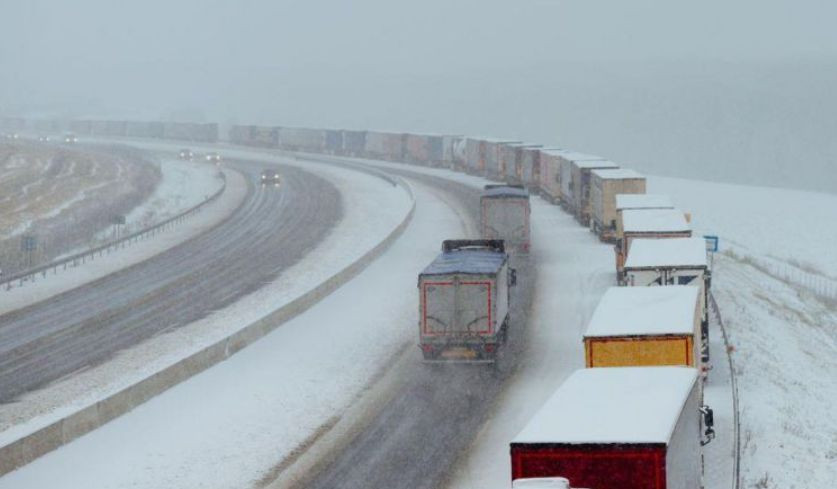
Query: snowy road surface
(86,325)
(231,424)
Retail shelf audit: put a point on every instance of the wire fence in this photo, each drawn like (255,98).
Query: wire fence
(31,274)
(819,285)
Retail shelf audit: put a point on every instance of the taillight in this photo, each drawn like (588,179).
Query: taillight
(489,348)
(427,348)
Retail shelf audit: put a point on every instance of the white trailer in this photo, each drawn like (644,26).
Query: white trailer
(648,224)
(464,297)
(675,261)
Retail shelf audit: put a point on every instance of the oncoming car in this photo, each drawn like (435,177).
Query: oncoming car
(271,177)
(70,139)
(186,154)
(213,158)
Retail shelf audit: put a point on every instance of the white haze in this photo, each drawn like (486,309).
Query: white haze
(727,90)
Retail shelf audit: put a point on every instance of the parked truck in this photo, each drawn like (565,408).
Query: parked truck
(464,298)
(504,214)
(605,185)
(645,326)
(674,261)
(647,224)
(618,428)
(581,182)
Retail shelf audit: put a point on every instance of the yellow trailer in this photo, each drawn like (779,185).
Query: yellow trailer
(645,326)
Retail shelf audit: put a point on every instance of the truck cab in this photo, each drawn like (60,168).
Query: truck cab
(464,297)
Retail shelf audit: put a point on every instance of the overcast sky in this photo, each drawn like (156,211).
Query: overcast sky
(544,70)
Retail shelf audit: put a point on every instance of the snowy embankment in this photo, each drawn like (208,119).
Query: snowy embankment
(184,185)
(781,321)
(231,424)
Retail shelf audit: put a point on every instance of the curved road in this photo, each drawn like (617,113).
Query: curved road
(437,410)
(271,230)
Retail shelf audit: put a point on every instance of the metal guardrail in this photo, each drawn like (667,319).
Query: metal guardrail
(736,467)
(88,255)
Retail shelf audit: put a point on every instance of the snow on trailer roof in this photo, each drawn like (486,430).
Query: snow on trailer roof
(661,253)
(642,311)
(504,191)
(643,201)
(654,220)
(471,262)
(571,155)
(613,405)
(616,173)
(593,164)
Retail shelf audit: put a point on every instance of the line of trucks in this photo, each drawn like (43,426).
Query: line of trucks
(634,417)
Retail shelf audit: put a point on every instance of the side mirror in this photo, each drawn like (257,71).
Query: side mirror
(708,424)
(512,277)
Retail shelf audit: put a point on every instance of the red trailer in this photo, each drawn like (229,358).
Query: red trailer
(618,428)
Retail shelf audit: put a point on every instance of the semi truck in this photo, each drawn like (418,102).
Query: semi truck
(464,298)
(618,428)
(504,214)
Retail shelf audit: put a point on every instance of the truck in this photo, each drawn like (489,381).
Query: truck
(301,139)
(618,428)
(388,146)
(570,161)
(674,261)
(645,326)
(504,214)
(647,224)
(354,143)
(464,302)
(605,185)
(512,161)
(581,181)
(424,149)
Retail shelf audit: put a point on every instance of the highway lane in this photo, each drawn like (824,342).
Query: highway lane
(438,409)
(271,231)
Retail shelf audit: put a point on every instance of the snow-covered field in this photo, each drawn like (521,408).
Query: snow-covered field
(184,184)
(232,423)
(41,288)
(64,197)
(784,332)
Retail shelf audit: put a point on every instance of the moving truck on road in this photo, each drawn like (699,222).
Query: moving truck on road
(647,224)
(464,297)
(618,428)
(504,214)
(645,326)
(605,185)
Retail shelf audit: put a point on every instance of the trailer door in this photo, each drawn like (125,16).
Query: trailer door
(457,308)
(505,219)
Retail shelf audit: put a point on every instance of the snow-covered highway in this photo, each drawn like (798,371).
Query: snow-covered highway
(236,421)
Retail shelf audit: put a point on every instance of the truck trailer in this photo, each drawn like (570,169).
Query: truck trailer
(645,326)
(647,224)
(605,185)
(581,183)
(504,214)
(618,428)
(675,261)
(464,297)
